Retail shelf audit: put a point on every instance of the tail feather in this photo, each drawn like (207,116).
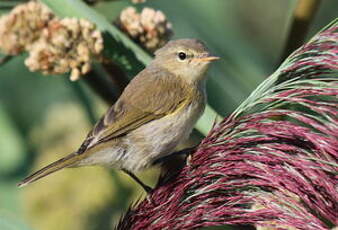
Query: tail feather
(51,168)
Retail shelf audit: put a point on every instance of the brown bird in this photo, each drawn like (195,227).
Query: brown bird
(156,112)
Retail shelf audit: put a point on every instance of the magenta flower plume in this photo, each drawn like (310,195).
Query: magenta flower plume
(273,162)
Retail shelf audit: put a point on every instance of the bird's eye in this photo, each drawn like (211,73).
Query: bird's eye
(182,56)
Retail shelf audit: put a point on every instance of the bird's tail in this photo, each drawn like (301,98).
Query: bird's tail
(51,168)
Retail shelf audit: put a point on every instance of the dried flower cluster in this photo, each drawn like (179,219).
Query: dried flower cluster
(23,26)
(66,45)
(149,28)
(55,46)
(272,163)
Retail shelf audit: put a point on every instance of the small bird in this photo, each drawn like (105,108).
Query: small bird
(156,111)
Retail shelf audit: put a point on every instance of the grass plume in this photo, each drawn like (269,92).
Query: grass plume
(272,162)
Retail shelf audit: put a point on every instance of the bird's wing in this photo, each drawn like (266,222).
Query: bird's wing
(149,96)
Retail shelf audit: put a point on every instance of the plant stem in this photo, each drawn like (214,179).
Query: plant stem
(85,100)
(302,17)
(101,87)
(116,75)
(5,59)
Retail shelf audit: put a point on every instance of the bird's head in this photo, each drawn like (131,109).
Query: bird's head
(186,58)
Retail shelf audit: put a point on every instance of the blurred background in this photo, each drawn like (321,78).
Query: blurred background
(44,117)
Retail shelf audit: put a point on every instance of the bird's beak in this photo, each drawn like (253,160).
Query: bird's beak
(207,58)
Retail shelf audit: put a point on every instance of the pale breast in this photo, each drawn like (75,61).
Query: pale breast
(160,137)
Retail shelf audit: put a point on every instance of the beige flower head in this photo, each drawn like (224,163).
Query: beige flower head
(66,45)
(22,27)
(149,28)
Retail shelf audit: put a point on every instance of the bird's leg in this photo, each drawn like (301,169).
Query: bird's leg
(146,188)
(185,152)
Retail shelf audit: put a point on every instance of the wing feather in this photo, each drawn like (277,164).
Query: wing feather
(152,94)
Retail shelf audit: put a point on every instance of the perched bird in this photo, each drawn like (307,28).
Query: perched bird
(156,112)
